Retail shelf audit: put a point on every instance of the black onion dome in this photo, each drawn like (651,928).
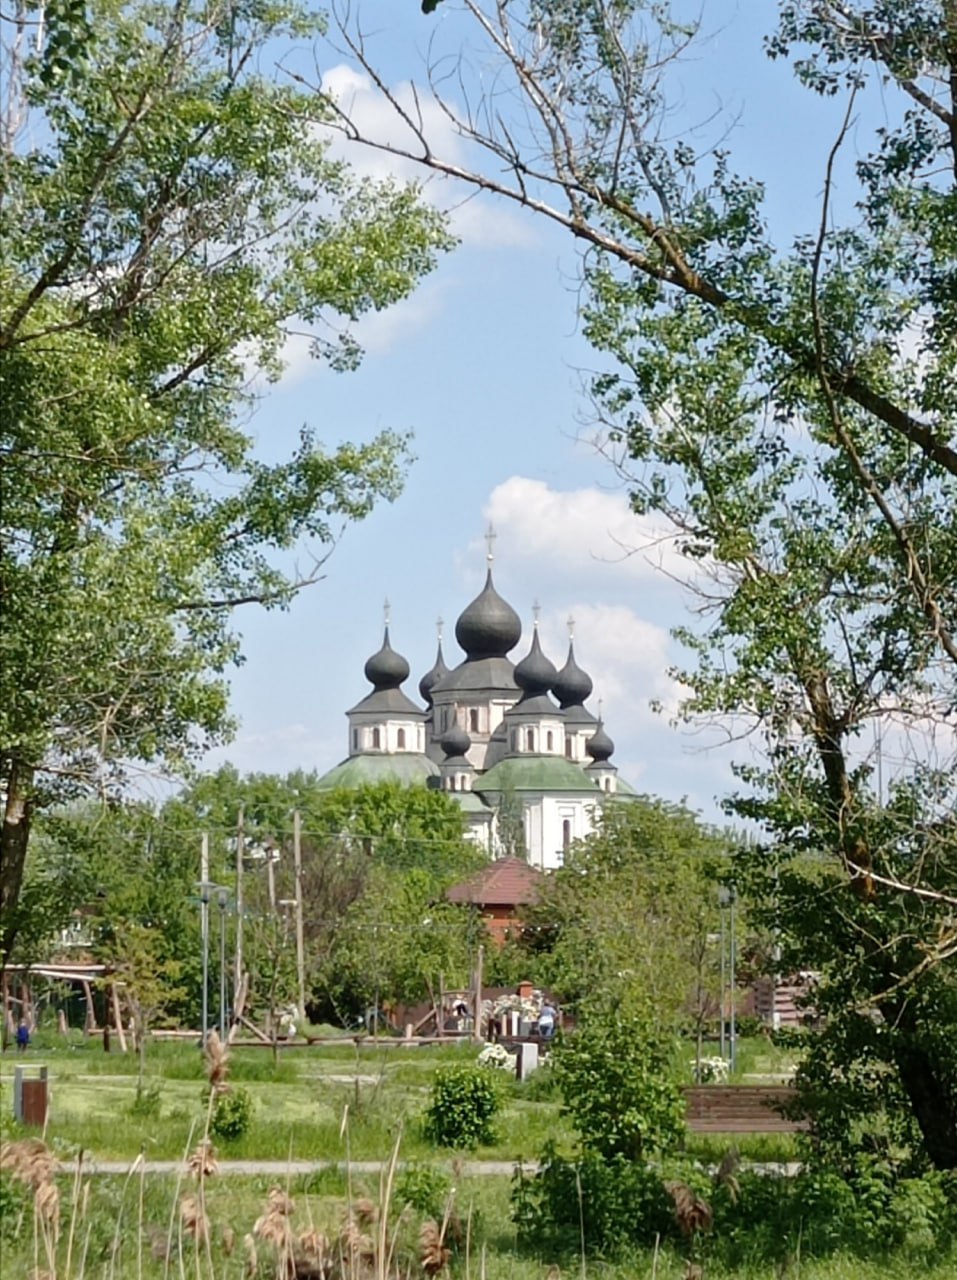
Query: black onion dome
(488,627)
(455,742)
(431,678)
(599,746)
(572,685)
(535,673)
(386,669)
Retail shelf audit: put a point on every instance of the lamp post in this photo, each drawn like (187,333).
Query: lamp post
(222,898)
(727,897)
(206,890)
(724,1046)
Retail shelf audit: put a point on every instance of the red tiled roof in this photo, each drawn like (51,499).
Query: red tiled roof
(510,882)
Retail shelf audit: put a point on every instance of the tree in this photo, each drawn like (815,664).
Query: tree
(140,965)
(786,405)
(628,921)
(170,214)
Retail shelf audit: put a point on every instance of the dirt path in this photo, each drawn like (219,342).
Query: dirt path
(296,1168)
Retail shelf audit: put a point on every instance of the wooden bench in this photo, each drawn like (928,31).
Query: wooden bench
(739,1108)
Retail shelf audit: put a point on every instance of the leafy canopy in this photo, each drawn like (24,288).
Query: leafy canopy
(171,212)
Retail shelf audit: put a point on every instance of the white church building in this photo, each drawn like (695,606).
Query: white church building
(513,743)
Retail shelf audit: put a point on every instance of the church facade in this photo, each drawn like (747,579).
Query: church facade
(514,744)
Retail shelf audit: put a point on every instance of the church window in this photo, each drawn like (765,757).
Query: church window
(376,740)
(529,739)
(550,740)
(400,739)
(355,739)
(452,782)
(473,720)
(514,739)
(566,834)
(568,745)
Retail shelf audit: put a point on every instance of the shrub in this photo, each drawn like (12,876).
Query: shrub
(616,1081)
(16,1206)
(613,1203)
(232,1114)
(464,1102)
(426,1189)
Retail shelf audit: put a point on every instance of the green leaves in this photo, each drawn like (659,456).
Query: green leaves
(170,213)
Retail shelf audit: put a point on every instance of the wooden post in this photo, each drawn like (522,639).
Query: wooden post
(271,879)
(89,1026)
(240,855)
(300,946)
(117,1017)
(477,1026)
(440,1020)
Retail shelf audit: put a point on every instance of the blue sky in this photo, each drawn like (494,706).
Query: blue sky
(484,364)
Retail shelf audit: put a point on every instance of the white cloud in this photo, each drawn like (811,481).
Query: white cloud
(478,221)
(580,531)
(626,656)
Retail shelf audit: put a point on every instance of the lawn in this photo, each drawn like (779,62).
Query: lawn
(338,1103)
(299,1101)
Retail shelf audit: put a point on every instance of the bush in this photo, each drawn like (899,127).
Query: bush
(16,1206)
(232,1114)
(465,1100)
(616,1080)
(426,1189)
(613,1203)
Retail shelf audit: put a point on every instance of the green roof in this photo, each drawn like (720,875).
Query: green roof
(468,801)
(407,767)
(534,773)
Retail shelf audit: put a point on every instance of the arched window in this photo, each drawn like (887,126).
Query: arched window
(566,833)
(550,741)
(514,739)
(452,782)
(568,745)
(529,739)
(473,720)
(400,739)
(355,739)
(376,740)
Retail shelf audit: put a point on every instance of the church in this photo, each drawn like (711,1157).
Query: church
(514,744)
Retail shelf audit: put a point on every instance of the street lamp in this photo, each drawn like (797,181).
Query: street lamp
(727,896)
(222,898)
(206,890)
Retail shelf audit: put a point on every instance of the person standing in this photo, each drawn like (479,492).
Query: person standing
(23,1036)
(546,1020)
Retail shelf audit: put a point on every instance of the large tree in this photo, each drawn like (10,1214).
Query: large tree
(169,213)
(630,919)
(786,402)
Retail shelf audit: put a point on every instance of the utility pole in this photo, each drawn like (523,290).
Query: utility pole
(240,857)
(477,1016)
(300,948)
(204,922)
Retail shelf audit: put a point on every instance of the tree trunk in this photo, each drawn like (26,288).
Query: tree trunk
(14,837)
(932,1101)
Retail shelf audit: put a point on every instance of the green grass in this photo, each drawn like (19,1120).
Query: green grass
(116,1220)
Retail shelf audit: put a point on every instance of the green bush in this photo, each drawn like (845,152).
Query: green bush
(465,1100)
(232,1114)
(618,1084)
(609,1204)
(425,1188)
(16,1206)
